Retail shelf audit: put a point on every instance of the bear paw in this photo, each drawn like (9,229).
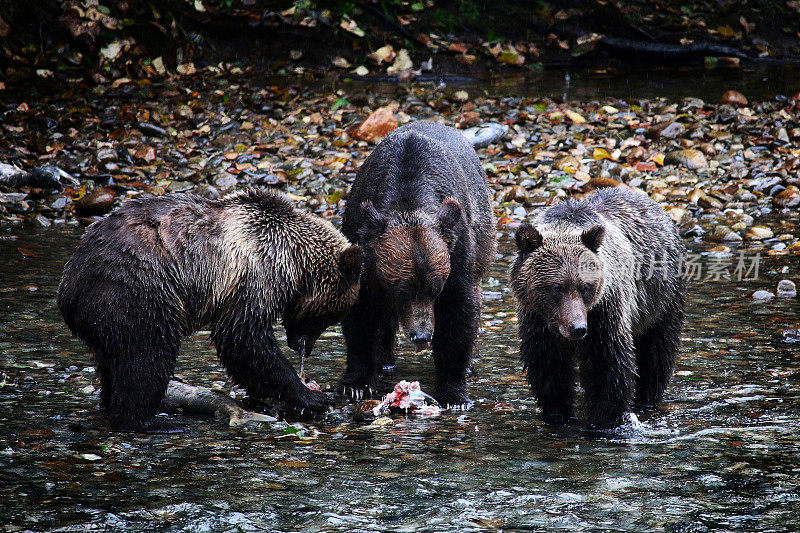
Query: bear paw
(363,392)
(457,400)
(308,405)
(554,418)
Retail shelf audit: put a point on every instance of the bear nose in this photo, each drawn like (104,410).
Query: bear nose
(421,337)
(577,330)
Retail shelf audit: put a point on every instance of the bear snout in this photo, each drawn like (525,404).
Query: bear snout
(572,319)
(418,323)
(577,330)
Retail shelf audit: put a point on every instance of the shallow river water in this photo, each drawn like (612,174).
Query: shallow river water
(723,453)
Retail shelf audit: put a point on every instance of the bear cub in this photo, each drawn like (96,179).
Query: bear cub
(420,208)
(600,279)
(159,268)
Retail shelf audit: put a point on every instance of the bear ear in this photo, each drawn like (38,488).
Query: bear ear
(528,238)
(350,263)
(447,219)
(372,222)
(592,238)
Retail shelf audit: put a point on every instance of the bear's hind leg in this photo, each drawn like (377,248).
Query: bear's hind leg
(456,313)
(656,350)
(550,371)
(134,379)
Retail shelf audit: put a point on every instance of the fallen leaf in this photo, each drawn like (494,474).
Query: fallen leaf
(111,50)
(383,54)
(186,69)
(27,252)
(379,124)
(574,117)
(158,64)
(120,81)
(401,62)
(350,25)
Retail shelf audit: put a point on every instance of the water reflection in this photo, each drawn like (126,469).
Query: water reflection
(721,454)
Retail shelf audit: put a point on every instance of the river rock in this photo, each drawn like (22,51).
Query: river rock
(789,197)
(679,215)
(484,135)
(689,158)
(97,202)
(225,180)
(184,111)
(734,98)
(763,295)
(759,233)
(786,289)
(699,197)
(667,130)
(567,163)
(516,193)
(377,125)
(42,221)
(106,155)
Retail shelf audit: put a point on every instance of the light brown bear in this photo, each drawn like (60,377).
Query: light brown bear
(159,268)
(600,279)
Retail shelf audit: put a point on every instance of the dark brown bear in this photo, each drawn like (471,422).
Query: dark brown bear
(600,279)
(420,208)
(160,268)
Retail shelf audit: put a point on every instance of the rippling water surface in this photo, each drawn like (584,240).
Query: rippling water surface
(723,453)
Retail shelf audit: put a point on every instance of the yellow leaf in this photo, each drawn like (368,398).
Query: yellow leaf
(658,157)
(600,153)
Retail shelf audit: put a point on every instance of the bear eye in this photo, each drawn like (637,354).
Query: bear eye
(586,289)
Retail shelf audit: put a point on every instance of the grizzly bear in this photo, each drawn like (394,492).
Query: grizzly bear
(419,206)
(159,268)
(601,279)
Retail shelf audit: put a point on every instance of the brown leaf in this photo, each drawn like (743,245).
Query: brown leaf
(378,125)
(27,252)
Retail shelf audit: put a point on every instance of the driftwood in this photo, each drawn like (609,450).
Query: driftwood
(203,401)
(671,51)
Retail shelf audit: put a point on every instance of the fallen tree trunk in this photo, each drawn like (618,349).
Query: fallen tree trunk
(646,48)
(203,401)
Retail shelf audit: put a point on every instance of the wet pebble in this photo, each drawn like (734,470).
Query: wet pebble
(759,233)
(689,158)
(763,295)
(789,197)
(97,202)
(184,111)
(786,289)
(734,98)
(42,221)
(667,130)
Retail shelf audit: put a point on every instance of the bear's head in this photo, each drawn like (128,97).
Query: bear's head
(412,263)
(559,276)
(327,292)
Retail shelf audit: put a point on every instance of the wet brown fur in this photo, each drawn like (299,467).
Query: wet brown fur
(159,268)
(577,261)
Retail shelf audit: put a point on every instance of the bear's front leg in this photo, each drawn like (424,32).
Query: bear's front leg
(608,368)
(456,312)
(366,330)
(549,366)
(250,353)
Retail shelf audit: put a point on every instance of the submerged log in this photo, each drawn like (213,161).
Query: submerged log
(203,401)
